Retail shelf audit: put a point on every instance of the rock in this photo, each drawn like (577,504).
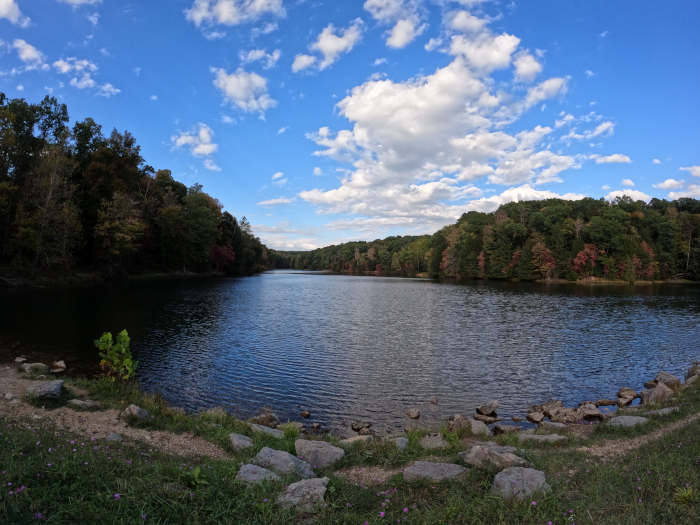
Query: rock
(517,419)
(518,482)
(489,420)
(627,421)
(46,389)
(20,359)
(364,432)
(475,427)
(691,380)
(255,474)
(650,384)
(318,453)
(401,442)
(239,441)
(316,426)
(567,415)
(266,430)
(283,463)
(605,403)
(505,429)
(479,428)
(535,408)
(542,438)
(413,413)
(433,441)
(591,412)
(535,417)
(9,396)
(552,426)
(268,419)
(113,436)
(624,401)
(551,406)
(434,400)
(304,495)
(58,366)
(627,392)
(35,367)
(432,471)
(305,414)
(656,395)
(500,449)
(488,409)
(358,425)
(486,458)
(357,439)
(662,412)
(694,370)
(82,404)
(135,411)
(668,379)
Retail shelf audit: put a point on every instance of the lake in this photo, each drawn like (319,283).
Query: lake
(347,347)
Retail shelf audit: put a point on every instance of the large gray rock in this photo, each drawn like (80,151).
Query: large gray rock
(113,436)
(549,425)
(625,401)
(359,425)
(567,415)
(591,412)
(551,407)
(413,413)
(488,420)
(488,409)
(656,395)
(535,417)
(475,427)
(254,474)
(668,379)
(518,482)
(46,389)
(694,370)
(283,463)
(691,380)
(662,412)
(505,429)
(135,411)
(486,458)
(304,495)
(432,471)
(266,430)
(626,391)
(318,453)
(542,438)
(499,449)
(627,421)
(401,442)
(35,367)
(433,441)
(239,441)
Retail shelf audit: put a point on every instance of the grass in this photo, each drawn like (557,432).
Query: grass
(71,480)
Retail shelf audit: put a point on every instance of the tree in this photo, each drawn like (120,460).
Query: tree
(118,230)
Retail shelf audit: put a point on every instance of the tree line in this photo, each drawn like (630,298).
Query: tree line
(74,198)
(534,240)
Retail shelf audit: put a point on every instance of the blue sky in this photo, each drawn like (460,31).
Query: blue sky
(327,121)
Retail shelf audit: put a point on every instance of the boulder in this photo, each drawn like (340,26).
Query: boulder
(433,471)
(552,426)
(304,495)
(83,404)
(662,412)
(505,429)
(35,367)
(283,463)
(401,442)
(358,439)
(319,453)
(20,359)
(489,420)
(358,425)
(692,371)
(57,367)
(266,430)
(135,411)
(567,415)
(517,419)
(9,396)
(651,384)
(255,474)
(413,413)
(267,419)
(305,414)
(46,389)
(488,409)
(656,395)
(475,427)
(535,417)
(518,482)
(486,458)
(691,380)
(591,412)
(668,379)
(500,449)
(365,431)
(239,441)
(433,441)
(624,401)
(627,392)
(605,403)
(542,438)
(627,421)
(113,436)
(535,408)
(551,407)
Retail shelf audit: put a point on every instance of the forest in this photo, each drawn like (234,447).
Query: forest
(74,199)
(535,240)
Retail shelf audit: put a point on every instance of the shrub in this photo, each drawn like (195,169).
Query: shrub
(116,358)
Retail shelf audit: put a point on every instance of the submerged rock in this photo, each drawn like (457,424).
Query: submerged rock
(488,409)
(605,403)
(305,414)
(359,425)
(413,413)
(489,420)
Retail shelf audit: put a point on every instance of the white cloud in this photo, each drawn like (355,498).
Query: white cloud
(70,65)
(302,62)
(94,18)
(331,46)
(137,71)
(277,175)
(107,90)
(627,182)
(211,165)
(606,187)
(9,10)
(199,141)
(231,12)
(261,54)
(282,130)
(693,191)
(403,33)
(379,62)
(246,91)
(318,171)
(266,29)
(604,34)
(404,15)
(605,129)
(522,193)
(656,161)
(274,202)
(31,56)
(526,67)
(589,73)
(226,119)
(76,3)
(616,158)
(214,35)
(465,22)
(634,194)
(20,87)
(154,97)
(85,82)
(669,184)
(484,52)
(433,44)
(693,170)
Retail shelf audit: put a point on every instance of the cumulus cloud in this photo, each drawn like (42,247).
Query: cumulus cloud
(246,91)
(404,15)
(205,13)
(302,62)
(200,141)
(279,179)
(269,60)
(522,193)
(72,65)
(526,67)
(107,90)
(85,82)
(76,3)
(606,187)
(318,171)
(693,191)
(465,22)
(9,10)
(627,182)
(616,158)
(669,184)
(403,33)
(282,130)
(379,62)
(30,55)
(332,45)
(656,161)
(634,194)
(606,128)
(693,170)
(275,202)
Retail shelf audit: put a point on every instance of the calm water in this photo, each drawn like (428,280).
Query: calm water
(366,347)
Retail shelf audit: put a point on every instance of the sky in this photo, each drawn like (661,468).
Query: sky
(326,121)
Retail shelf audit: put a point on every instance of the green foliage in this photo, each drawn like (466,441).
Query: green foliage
(685,496)
(194,479)
(116,358)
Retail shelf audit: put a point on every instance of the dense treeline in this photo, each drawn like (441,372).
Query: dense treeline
(75,198)
(549,239)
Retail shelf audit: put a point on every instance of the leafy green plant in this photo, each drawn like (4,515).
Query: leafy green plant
(116,358)
(194,479)
(685,496)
